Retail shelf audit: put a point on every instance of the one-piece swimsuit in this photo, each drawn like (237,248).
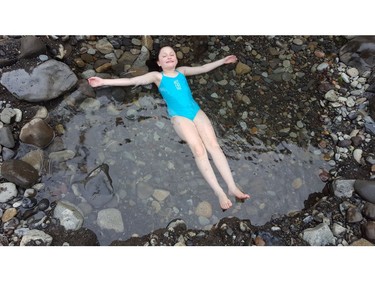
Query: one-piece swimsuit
(178,97)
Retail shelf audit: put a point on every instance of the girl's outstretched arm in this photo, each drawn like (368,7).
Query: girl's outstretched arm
(194,70)
(148,78)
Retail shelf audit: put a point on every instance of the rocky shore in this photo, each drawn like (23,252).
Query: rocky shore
(324,89)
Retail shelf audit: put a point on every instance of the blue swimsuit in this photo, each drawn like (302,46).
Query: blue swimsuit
(177,94)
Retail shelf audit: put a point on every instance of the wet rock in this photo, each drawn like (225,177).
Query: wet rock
(43,204)
(84,90)
(357,140)
(102,65)
(127,58)
(177,225)
(90,105)
(30,192)
(69,215)
(35,158)
(324,176)
(61,156)
(353,215)
(353,72)
(36,237)
(370,127)
(338,230)
(259,241)
(366,189)
(372,106)
(8,191)
(110,219)
(368,229)
(138,70)
(359,52)
(369,210)
(160,194)
(40,112)
(31,46)
(343,188)
(19,172)
(19,114)
(344,143)
(29,213)
(9,214)
(204,209)
(37,132)
(362,242)
(6,136)
(242,69)
(28,203)
(357,155)
(8,115)
(46,81)
(7,153)
(11,225)
(3,240)
(321,235)
(97,186)
(147,41)
(144,190)
(104,46)
(142,57)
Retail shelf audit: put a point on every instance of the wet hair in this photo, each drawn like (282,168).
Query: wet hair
(161,47)
(154,57)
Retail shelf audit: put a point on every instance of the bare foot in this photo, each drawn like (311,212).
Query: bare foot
(225,203)
(238,194)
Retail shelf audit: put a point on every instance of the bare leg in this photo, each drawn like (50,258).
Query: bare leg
(187,131)
(207,133)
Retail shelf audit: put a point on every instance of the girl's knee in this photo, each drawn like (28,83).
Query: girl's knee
(198,149)
(213,147)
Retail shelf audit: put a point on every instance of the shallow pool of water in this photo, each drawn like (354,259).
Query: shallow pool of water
(144,155)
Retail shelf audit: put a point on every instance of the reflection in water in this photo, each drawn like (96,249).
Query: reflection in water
(154,176)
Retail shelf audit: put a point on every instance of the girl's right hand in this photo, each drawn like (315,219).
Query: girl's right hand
(230,59)
(95,81)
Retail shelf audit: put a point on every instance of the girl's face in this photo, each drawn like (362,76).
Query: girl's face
(167,59)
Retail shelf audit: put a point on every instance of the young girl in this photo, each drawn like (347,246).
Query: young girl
(189,121)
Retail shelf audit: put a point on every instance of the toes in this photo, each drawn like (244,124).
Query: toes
(226,205)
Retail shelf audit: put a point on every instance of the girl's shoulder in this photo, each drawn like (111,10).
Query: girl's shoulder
(156,75)
(181,70)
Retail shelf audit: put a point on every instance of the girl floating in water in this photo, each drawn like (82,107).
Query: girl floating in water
(189,121)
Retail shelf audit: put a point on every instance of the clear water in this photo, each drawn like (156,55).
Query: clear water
(143,153)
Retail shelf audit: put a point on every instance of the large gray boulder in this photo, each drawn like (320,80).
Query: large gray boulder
(46,81)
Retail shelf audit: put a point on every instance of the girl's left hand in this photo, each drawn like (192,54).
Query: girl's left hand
(230,59)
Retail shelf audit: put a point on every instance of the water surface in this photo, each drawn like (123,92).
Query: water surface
(136,141)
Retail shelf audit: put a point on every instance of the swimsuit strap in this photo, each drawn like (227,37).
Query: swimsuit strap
(178,72)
